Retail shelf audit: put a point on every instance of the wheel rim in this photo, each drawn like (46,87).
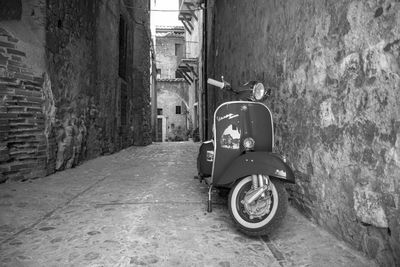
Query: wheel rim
(241,207)
(238,208)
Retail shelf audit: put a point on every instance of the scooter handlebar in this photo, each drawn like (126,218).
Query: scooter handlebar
(216,83)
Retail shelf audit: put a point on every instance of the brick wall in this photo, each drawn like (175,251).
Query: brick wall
(23,144)
(335,69)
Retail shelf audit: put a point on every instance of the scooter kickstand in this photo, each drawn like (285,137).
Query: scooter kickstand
(209,206)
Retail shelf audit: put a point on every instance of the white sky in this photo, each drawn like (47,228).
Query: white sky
(168,18)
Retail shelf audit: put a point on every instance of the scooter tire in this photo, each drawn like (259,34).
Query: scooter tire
(269,224)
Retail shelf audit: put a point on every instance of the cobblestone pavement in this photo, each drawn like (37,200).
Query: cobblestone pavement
(141,206)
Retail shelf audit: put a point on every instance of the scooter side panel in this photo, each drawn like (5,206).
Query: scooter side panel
(257,163)
(205,159)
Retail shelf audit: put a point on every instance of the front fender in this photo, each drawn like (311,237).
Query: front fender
(266,163)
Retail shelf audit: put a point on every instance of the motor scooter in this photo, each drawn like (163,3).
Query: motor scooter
(240,159)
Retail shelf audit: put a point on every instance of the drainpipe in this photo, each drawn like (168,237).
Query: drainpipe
(204,93)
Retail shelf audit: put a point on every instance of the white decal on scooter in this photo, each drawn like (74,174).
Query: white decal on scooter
(280,173)
(210,155)
(230,138)
(227,116)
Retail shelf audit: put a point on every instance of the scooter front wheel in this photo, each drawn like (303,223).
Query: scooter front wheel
(263,215)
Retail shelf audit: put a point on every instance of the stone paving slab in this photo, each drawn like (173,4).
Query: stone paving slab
(141,207)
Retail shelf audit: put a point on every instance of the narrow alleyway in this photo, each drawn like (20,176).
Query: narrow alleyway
(141,206)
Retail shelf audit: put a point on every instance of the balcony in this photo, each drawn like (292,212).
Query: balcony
(188,69)
(187,11)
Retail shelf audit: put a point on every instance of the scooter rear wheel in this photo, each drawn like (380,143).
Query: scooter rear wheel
(258,225)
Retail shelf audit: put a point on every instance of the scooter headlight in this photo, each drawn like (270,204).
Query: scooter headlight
(259,91)
(249,143)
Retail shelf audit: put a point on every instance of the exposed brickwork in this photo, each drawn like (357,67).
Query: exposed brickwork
(335,68)
(23,150)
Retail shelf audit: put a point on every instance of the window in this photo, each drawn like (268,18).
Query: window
(123,45)
(159,111)
(178,110)
(178,50)
(158,73)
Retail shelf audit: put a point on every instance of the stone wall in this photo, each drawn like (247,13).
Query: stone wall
(334,66)
(71,58)
(141,106)
(62,99)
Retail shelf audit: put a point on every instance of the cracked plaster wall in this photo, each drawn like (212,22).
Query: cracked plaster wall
(336,104)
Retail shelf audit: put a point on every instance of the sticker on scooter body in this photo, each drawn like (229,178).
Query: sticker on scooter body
(210,155)
(228,116)
(230,138)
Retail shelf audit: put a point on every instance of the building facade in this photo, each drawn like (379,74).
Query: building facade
(74,82)
(334,67)
(174,121)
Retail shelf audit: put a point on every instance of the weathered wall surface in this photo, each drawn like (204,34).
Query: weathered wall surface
(335,65)
(167,61)
(24,92)
(71,57)
(172,93)
(140,106)
(83,53)
(107,84)
(60,89)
